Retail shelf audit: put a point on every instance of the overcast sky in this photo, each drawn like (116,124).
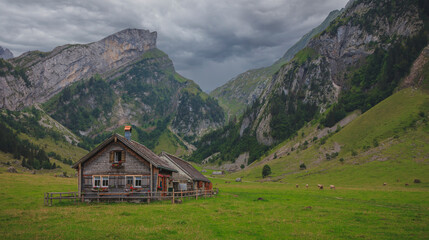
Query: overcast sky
(210,42)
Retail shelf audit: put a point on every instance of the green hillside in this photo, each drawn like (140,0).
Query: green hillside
(32,139)
(385,144)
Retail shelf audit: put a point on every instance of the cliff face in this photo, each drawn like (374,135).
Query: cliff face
(361,28)
(50,72)
(317,74)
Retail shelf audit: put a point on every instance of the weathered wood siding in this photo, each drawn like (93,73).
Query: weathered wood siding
(100,165)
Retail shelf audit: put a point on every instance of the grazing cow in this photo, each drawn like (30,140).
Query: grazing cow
(384,184)
(332,186)
(406,184)
(306,186)
(297,186)
(320,186)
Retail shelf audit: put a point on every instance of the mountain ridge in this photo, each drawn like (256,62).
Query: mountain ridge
(49,72)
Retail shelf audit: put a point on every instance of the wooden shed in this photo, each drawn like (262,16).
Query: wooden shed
(186,174)
(122,168)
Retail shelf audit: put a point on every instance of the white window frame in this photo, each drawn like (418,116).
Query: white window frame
(94,179)
(100,178)
(134,180)
(102,181)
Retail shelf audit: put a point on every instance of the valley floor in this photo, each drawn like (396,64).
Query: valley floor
(283,212)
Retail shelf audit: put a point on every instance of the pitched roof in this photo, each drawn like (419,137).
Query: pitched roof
(186,167)
(138,148)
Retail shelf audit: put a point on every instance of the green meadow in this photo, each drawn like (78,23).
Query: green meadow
(284,212)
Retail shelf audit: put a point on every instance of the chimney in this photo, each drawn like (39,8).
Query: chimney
(128,132)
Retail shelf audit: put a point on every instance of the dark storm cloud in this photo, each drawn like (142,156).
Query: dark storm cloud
(209,41)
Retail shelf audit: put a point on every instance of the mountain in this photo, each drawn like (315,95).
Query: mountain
(241,91)
(94,89)
(356,62)
(47,73)
(5,53)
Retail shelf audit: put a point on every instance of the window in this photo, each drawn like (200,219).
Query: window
(135,181)
(96,182)
(117,156)
(105,182)
(129,180)
(138,181)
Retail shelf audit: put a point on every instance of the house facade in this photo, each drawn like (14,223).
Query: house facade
(121,167)
(186,177)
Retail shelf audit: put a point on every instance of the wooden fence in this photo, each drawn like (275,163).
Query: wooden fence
(174,196)
(49,196)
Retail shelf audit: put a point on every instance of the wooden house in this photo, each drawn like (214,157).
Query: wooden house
(186,177)
(121,167)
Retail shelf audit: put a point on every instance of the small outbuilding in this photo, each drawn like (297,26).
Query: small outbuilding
(186,176)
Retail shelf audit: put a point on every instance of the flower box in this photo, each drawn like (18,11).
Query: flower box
(100,189)
(117,165)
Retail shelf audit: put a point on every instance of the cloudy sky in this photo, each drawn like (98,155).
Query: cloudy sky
(209,41)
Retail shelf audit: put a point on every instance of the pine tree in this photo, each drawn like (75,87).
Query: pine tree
(266,171)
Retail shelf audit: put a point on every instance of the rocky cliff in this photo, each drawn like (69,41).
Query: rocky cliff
(48,73)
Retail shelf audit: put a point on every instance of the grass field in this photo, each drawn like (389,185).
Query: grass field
(284,213)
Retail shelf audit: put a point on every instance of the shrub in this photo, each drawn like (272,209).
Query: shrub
(328,156)
(338,128)
(302,166)
(266,171)
(341,160)
(354,153)
(242,166)
(375,142)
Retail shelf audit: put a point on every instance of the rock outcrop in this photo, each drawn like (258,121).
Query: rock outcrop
(5,53)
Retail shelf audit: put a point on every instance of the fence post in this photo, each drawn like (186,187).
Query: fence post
(173,196)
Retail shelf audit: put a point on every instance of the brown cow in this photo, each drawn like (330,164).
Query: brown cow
(320,186)
(332,187)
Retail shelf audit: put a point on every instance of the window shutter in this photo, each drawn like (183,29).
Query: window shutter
(112,156)
(123,156)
